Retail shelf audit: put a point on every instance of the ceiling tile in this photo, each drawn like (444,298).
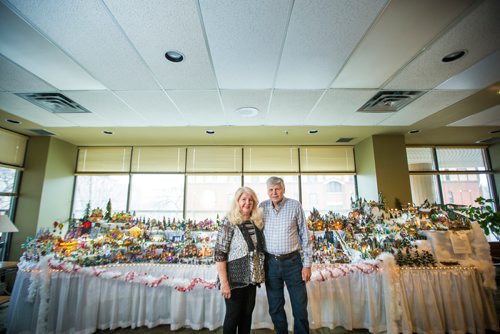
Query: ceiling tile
(403,29)
(29,49)
(320,38)
(105,105)
(166,28)
(365,119)
(488,117)
(338,104)
(87,32)
(245,39)
(155,106)
(199,107)
(14,78)
(478,76)
(24,109)
(426,105)
(291,107)
(234,99)
(478,33)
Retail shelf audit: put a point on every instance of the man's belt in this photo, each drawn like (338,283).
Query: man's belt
(283,256)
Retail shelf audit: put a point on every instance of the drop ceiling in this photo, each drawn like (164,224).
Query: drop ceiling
(304,64)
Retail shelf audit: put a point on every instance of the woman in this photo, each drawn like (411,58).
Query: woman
(239,254)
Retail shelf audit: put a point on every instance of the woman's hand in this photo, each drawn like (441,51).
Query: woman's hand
(225,290)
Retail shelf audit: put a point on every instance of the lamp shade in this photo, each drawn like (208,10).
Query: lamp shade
(6,225)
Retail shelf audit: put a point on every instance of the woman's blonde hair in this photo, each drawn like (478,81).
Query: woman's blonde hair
(234,214)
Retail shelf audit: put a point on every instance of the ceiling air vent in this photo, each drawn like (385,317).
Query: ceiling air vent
(390,101)
(42,132)
(344,140)
(56,103)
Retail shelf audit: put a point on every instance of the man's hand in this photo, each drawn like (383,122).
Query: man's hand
(306,274)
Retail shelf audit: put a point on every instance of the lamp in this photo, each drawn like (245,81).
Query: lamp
(6,225)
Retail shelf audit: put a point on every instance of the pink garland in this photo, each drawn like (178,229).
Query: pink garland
(181,285)
(327,272)
(320,273)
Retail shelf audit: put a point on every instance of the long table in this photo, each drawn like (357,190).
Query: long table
(375,296)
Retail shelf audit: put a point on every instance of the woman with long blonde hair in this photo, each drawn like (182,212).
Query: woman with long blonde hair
(239,254)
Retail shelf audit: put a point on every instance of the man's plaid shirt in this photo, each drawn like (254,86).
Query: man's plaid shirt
(285,229)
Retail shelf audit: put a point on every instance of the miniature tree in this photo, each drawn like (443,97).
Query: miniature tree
(107,215)
(86,213)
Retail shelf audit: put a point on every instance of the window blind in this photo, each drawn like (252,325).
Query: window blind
(12,148)
(420,159)
(104,159)
(213,159)
(271,159)
(159,159)
(461,159)
(327,159)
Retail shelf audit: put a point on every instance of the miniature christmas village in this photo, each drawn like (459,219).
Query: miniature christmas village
(370,229)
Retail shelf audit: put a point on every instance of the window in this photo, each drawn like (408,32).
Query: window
(333,192)
(12,151)
(451,200)
(334,187)
(424,187)
(461,176)
(420,159)
(259,185)
(157,195)
(199,182)
(98,190)
(8,189)
(207,197)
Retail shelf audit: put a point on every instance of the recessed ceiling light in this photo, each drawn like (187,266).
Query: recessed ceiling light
(312,132)
(414,131)
(454,56)
(106,132)
(13,121)
(495,131)
(174,56)
(247,111)
(210,132)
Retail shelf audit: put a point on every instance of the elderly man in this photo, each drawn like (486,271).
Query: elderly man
(285,234)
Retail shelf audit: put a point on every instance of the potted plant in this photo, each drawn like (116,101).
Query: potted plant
(485,216)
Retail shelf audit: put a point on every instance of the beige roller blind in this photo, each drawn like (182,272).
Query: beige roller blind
(158,159)
(271,159)
(12,148)
(327,159)
(213,159)
(104,159)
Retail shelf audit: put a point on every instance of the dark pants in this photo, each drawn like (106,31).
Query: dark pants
(239,310)
(289,271)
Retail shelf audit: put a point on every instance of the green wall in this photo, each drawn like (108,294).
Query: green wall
(365,170)
(46,188)
(382,167)
(393,179)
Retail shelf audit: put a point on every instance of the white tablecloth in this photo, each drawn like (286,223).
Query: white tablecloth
(423,301)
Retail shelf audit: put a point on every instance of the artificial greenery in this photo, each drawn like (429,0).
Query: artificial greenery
(484,215)
(414,258)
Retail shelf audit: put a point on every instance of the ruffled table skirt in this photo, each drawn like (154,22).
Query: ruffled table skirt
(408,300)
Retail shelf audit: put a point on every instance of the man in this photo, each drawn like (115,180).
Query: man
(285,234)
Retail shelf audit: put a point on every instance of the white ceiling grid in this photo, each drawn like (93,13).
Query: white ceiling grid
(427,71)
(299,62)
